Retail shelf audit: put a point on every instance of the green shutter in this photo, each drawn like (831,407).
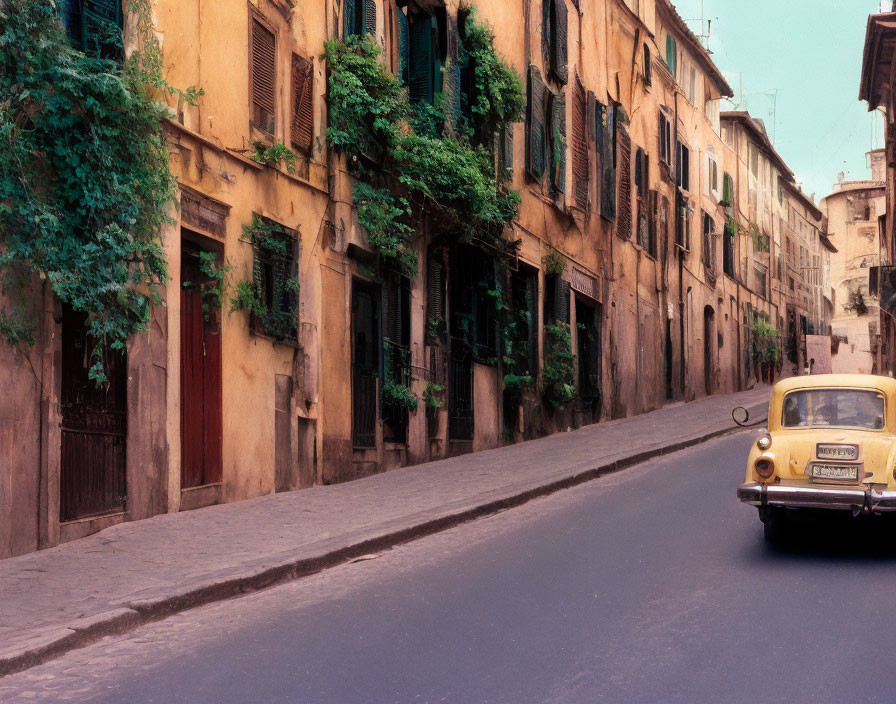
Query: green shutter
(403,46)
(348,18)
(536,144)
(558,143)
(672,55)
(559,41)
(422,59)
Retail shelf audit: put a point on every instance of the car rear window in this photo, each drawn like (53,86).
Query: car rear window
(841,408)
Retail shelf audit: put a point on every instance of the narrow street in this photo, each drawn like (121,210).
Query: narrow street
(652,585)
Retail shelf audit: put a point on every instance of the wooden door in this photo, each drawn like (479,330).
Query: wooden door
(200,377)
(94,426)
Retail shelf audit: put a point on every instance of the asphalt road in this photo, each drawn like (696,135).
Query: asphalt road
(653,585)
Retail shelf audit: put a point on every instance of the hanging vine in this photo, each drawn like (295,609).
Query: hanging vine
(85,211)
(417,163)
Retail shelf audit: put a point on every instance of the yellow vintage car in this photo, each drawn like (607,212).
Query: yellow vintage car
(830,444)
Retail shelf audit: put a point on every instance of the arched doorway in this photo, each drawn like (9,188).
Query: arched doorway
(709,336)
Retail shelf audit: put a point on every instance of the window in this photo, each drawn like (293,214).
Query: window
(606,119)
(708,253)
(684,167)
(263,77)
(665,139)
(94,26)
(426,55)
(844,408)
(648,66)
(712,175)
(642,178)
(275,282)
(580,163)
(358,17)
(302,131)
(546,120)
(754,160)
(728,247)
(554,38)
(672,55)
(727,190)
(780,190)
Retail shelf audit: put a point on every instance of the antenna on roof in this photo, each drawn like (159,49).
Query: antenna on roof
(705,26)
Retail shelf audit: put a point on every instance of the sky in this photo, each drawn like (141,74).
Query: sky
(798,64)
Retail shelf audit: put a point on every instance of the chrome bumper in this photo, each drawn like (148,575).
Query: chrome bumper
(817,496)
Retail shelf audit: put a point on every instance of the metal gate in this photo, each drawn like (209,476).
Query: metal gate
(94,427)
(460,400)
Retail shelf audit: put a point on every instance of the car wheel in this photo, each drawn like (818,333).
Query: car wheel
(774,524)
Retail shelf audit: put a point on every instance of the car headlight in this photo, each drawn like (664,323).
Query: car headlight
(765,467)
(764,442)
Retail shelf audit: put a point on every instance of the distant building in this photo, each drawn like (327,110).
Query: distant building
(855,211)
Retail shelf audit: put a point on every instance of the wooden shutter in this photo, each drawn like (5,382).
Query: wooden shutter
(349,19)
(624,220)
(559,42)
(422,58)
(558,151)
(392,318)
(652,218)
(580,144)
(536,144)
(672,55)
(403,44)
(561,301)
(303,104)
(263,67)
(547,33)
(435,287)
(648,66)
(370,17)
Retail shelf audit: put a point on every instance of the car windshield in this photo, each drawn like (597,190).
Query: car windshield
(845,408)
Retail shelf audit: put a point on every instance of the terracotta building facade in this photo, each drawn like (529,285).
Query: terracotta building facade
(663,230)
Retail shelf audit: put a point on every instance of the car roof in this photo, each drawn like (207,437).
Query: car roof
(814,381)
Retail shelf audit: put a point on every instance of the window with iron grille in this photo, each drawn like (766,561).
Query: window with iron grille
(424,55)
(396,352)
(94,26)
(474,313)
(263,57)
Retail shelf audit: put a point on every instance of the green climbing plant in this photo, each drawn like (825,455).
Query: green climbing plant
(558,387)
(413,162)
(84,181)
(274,155)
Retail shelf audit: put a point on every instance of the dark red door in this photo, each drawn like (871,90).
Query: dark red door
(200,377)
(94,426)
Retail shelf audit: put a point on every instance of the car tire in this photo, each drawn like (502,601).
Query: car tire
(774,525)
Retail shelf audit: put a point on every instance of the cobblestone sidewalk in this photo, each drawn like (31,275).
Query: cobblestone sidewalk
(59,599)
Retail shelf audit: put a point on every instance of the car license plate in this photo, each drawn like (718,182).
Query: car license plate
(837,452)
(838,472)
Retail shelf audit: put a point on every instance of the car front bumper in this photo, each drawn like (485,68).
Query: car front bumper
(850,498)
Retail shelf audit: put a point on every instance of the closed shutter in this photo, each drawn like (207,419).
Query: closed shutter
(536,144)
(303,104)
(392,309)
(403,45)
(672,55)
(624,220)
(349,18)
(559,43)
(561,301)
(558,129)
(652,218)
(547,33)
(263,63)
(580,144)
(422,58)
(435,289)
(370,17)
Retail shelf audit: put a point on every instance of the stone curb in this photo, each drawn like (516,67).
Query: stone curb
(130,615)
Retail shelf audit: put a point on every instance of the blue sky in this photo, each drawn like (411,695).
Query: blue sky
(811,54)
